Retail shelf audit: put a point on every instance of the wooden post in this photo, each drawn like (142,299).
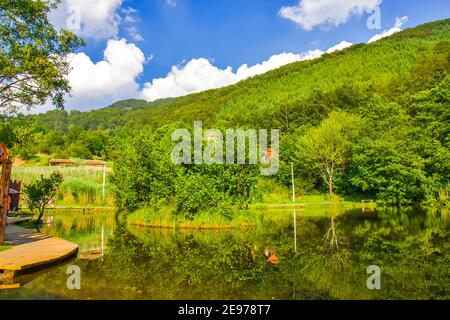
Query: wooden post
(6,166)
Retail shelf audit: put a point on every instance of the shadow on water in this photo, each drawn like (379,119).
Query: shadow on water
(334,248)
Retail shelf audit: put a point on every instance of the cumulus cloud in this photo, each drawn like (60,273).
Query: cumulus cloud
(399,23)
(340,46)
(200,74)
(113,78)
(90,18)
(311,13)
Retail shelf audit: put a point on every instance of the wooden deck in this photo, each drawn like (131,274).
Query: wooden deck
(32,250)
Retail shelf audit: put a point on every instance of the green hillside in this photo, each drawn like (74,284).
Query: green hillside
(393,94)
(409,61)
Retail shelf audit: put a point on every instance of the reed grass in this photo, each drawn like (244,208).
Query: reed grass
(166,218)
(81,186)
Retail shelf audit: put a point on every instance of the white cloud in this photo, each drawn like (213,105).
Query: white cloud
(134,34)
(89,18)
(200,74)
(399,23)
(310,13)
(113,78)
(197,75)
(340,46)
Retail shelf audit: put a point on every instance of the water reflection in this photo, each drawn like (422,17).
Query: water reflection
(328,258)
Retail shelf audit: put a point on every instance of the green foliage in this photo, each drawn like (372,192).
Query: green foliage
(33,65)
(326,148)
(81,186)
(42,191)
(396,90)
(145,175)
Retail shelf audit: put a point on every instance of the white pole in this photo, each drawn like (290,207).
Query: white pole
(295,213)
(295,231)
(293,183)
(103,240)
(104,181)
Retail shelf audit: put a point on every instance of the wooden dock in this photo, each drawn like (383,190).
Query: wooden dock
(32,250)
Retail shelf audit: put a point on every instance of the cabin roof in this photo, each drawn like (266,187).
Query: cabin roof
(66,161)
(94,163)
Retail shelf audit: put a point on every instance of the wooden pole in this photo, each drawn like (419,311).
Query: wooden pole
(6,167)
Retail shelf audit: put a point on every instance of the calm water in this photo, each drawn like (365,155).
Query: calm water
(334,250)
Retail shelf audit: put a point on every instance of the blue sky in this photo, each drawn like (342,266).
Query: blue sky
(249,31)
(132,42)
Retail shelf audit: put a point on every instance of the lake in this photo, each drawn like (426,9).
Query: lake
(327,256)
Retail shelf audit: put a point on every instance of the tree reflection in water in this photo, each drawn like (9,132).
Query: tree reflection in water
(333,252)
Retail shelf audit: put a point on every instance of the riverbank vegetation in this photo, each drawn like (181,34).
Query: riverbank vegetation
(379,113)
(406,244)
(81,186)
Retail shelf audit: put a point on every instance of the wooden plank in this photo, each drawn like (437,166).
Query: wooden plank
(32,249)
(9,286)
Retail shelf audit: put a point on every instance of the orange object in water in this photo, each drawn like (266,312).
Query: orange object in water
(273,259)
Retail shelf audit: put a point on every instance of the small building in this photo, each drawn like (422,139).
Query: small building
(14,193)
(61,162)
(94,163)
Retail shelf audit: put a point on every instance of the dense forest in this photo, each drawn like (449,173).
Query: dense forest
(386,104)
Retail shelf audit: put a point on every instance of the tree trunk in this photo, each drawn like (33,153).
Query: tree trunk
(41,213)
(331,185)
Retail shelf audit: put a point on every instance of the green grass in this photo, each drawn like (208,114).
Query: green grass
(81,186)
(5,247)
(166,218)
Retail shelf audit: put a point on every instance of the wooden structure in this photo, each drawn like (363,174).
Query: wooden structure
(32,250)
(14,193)
(94,163)
(5,176)
(61,162)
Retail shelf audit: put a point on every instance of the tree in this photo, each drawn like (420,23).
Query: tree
(33,64)
(41,192)
(325,148)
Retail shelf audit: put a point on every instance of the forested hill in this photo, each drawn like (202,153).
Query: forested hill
(412,60)
(385,104)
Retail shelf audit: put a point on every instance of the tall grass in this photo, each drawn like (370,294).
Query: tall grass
(81,186)
(166,218)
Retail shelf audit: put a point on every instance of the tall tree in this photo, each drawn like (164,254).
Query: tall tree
(33,64)
(325,148)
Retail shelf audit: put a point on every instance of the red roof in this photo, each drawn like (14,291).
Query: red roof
(94,163)
(66,161)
